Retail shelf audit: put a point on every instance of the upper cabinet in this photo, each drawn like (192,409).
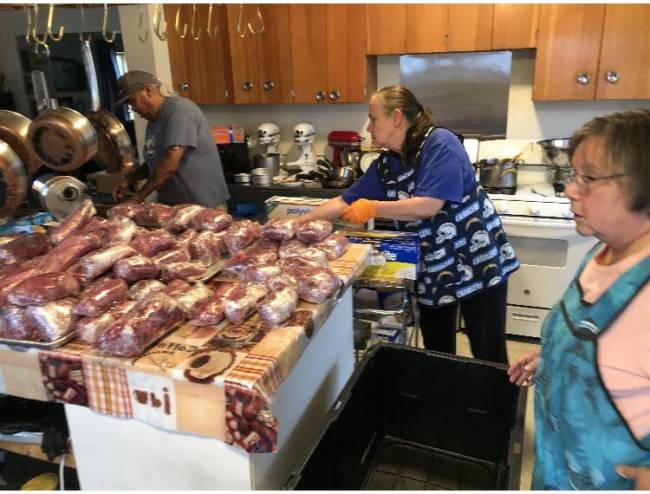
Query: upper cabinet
(515,26)
(590,52)
(386,29)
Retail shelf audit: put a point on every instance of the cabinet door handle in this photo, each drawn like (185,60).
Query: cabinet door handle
(247,85)
(268,85)
(334,95)
(320,96)
(183,86)
(611,77)
(582,78)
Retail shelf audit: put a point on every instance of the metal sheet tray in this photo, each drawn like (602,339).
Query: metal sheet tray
(45,345)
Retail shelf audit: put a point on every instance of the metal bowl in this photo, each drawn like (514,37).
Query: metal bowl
(262,172)
(242,178)
(262,179)
(556,151)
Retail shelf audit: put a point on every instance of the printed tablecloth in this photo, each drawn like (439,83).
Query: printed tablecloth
(214,381)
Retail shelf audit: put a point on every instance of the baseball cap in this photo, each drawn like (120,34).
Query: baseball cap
(130,82)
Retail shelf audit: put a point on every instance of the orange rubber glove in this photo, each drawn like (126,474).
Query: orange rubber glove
(360,211)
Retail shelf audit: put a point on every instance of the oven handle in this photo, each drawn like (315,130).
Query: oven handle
(539,223)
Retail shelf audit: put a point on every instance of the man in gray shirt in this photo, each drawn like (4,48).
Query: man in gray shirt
(182,159)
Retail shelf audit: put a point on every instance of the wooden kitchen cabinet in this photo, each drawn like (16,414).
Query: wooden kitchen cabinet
(386,29)
(579,45)
(469,27)
(515,26)
(200,68)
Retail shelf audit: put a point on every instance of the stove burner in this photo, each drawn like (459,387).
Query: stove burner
(501,190)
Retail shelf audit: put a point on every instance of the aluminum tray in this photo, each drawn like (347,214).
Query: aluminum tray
(40,344)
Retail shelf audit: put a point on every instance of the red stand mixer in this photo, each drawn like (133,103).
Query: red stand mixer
(343,143)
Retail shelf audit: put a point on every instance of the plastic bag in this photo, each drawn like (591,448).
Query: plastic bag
(136,268)
(143,288)
(151,242)
(278,306)
(24,247)
(212,219)
(313,231)
(281,230)
(44,288)
(75,222)
(241,301)
(98,262)
(100,296)
(333,245)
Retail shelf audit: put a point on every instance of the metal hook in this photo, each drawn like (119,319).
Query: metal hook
(40,41)
(142,38)
(241,30)
(177,23)
(82,38)
(209,28)
(261,19)
(195,35)
(105,26)
(50,16)
(157,9)
(28,30)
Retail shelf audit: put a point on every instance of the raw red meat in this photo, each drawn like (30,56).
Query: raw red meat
(96,263)
(258,274)
(210,311)
(24,247)
(313,231)
(183,217)
(317,284)
(11,280)
(142,288)
(95,224)
(189,270)
(277,306)
(309,253)
(54,319)
(18,325)
(206,247)
(151,242)
(190,299)
(100,296)
(214,219)
(241,301)
(5,239)
(289,248)
(120,230)
(283,280)
(127,209)
(70,250)
(73,223)
(177,287)
(136,268)
(89,328)
(153,215)
(241,234)
(334,245)
(281,230)
(44,288)
(180,254)
(184,239)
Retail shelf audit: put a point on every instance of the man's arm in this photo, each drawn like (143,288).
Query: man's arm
(164,171)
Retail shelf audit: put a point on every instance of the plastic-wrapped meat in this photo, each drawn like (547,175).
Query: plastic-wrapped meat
(24,247)
(264,245)
(44,288)
(73,248)
(18,325)
(183,217)
(333,246)
(313,231)
(11,280)
(317,284)
(210,311)
(298,263)
(89,328)
(8,269)
(55,319)
(206,247)
(76,221)
(241,302)
(241,234)
(100,295)
(150,319)
(180,254)
(98,262)
(281,230)
(177,287)
(310,253)
(283,280)
(5,239)
(151,242)
(142,288)
(95,224)
(186,237)
(278,306)
(136,268)
(127,209)
(153,215)
(258,274)
(189,271)
(214,219)
(289,248)
(190,300)
(120,230)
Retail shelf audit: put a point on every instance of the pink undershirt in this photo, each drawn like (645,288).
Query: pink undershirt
(624,349)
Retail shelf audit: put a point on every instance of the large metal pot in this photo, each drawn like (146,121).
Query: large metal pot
(14,128)
(13,180)
(498,174)
(556,151)
(267,160)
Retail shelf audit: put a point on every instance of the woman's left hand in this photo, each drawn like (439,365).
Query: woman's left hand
(360,211)
(640,475)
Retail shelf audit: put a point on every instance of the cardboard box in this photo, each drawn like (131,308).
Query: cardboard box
(288,207)
(394,255)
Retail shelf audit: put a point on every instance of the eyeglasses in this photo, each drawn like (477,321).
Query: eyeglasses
(584,182)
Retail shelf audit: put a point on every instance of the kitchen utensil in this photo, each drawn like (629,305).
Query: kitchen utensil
(345,173)
(262,179)
(14,128)
(367,159)
(498,174)
(262,171)
(13,180)
(61,137)
(115,151)
(351,159)
(343,141)
(556,151)
(59,194)
(269,161)
(337,183)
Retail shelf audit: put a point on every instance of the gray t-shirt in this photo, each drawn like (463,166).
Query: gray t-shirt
(199,179)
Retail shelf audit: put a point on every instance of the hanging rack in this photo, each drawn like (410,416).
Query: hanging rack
(82,38)
(142,38)
(242,30)
(209,28)
(28,30)
(195,35)
(105,26)
(157,17)
(50,17)
(42,42)
(177,23)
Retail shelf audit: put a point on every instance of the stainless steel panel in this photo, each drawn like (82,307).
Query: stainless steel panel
(467,92)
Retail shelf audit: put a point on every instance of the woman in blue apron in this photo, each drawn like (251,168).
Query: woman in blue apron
(426,183)
(592,375)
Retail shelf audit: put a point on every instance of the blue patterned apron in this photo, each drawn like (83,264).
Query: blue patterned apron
(463,248)
(580,435)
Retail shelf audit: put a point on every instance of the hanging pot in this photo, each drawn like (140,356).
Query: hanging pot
(14,129)
(13,180)
(59,194)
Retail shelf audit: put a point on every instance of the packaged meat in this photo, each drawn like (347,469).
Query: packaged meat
(281,230)
(73,223)
(5,239)
(317,284)
(73,248)
(177,287)
(214,219)
(206,247)
(210,311)
(120,229)
(183,217)
(313,231)
(54,319)
(179,254)
(98,262)
(151,242)
(296,264)
(89,328)
(333,245)
(289,248)
(309,253)
(241,234)
(147,321)
(258,274)
(189,271)
(18,325)
(101,295)
(11,280)
(142,288)
(44,288)
(127,209)
(189,300)
(95,224)
(283,280)
(24,247)
(184,239)
(8,269)
(264,244)
(241,301)
(153,215)
(278,306)
(136,268)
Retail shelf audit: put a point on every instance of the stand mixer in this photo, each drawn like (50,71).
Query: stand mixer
(304,135)
(346,145)
(268,135)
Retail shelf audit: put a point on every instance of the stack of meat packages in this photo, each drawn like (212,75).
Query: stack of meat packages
(123,282)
